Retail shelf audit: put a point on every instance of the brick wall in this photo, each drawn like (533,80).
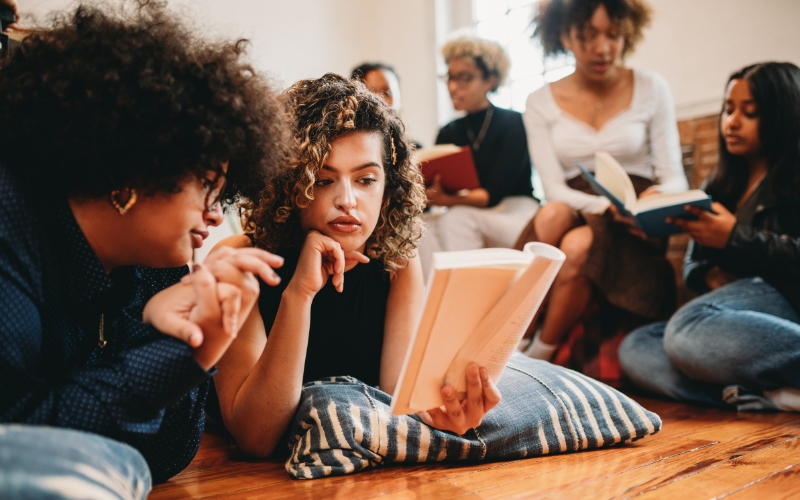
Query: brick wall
(700,149)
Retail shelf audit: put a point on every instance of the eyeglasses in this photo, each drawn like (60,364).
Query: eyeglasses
(214,189)
(461,79)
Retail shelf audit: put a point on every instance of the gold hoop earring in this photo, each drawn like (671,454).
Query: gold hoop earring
(122,208)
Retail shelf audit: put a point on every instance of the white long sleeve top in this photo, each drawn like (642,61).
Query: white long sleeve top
(643,138)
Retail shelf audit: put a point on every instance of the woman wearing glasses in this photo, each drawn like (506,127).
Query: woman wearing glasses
(494,214)
(122,132)
(602,106)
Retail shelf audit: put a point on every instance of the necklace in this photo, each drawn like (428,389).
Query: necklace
(593,111)
(476,141)
(102,340)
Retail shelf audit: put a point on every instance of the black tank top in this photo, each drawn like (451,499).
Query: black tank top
(346,333)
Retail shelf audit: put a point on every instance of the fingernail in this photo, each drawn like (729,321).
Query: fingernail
(484,374)
(195,339)
(448,391)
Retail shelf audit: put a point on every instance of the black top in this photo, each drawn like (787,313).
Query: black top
(143,387)
(346,333)
(765,242)
(503,163)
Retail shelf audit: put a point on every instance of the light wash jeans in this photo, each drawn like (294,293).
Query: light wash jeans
(52,463)
(724,347)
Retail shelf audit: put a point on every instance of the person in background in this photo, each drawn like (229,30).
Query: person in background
(121,134)
(382,80)
(738,343)
(494,214)
(602,106)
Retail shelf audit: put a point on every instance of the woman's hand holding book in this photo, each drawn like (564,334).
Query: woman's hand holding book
(460,416)
(710,229)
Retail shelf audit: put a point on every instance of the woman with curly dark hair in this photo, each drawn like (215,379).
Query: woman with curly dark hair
(121,134)
(350,206)
(602,106)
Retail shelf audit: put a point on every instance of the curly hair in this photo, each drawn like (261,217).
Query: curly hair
(488,56)
(556,18)
(129,96)
(326,109)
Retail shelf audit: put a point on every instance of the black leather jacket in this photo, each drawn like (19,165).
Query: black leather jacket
(765,242)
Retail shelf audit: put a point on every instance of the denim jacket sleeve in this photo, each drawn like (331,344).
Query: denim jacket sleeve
(768,252)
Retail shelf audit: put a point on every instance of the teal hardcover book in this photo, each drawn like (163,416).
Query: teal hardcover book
(611,181)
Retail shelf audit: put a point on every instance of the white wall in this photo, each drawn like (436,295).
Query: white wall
(694,44)
(697,44)
(295,39)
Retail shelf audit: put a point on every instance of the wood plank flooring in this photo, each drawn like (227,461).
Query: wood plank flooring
(700,453)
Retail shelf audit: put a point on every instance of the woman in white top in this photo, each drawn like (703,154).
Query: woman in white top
(602,106)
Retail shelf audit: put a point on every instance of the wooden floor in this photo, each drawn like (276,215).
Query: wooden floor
(700,453)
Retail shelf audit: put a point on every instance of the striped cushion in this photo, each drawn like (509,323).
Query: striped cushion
(344,426)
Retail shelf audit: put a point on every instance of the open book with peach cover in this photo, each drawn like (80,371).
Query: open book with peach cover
(478,304)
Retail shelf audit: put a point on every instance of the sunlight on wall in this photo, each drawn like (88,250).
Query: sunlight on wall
(508,22)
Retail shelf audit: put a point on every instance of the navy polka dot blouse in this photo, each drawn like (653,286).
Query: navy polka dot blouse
(143,387)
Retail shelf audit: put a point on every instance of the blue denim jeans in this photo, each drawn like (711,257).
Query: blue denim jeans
(50,463)
(744,334)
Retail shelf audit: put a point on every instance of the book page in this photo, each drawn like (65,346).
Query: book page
(666,199)
(406,381)
(494,340)
(613,177)
(470,293)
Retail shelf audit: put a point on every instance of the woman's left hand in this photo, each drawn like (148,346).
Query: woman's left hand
(711,229)
(437,195)
(460,416)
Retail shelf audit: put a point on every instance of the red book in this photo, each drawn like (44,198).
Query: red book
(452,163)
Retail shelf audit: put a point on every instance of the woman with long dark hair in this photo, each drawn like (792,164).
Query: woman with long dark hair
(739,342)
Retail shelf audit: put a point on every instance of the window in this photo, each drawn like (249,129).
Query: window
(508,22)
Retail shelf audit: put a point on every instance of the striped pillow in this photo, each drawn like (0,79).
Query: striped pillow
(344,426)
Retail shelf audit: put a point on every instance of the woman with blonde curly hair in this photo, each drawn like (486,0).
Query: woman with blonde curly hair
(494,214)
(347,208)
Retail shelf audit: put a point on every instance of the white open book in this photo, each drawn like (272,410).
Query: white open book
(478,304)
